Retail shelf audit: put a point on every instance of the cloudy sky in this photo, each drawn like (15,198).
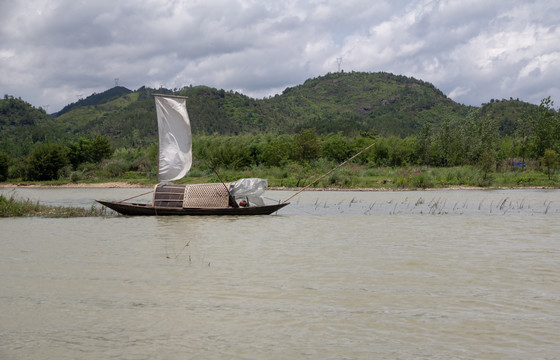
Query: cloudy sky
(52,51)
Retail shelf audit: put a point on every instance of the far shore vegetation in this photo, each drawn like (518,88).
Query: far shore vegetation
(472,155)
(293,161)
(350,177)
(431,142)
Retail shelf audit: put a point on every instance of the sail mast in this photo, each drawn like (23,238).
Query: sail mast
(171,96)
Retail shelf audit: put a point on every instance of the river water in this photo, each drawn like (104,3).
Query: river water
(335,275)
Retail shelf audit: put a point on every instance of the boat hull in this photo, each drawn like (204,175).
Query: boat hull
(137,209)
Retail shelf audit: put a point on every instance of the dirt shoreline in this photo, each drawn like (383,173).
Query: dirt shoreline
(124,185)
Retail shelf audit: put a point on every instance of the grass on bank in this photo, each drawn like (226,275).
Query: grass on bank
(15,207)
(348,177)
(386,178)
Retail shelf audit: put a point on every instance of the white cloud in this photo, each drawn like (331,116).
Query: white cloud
(52,50)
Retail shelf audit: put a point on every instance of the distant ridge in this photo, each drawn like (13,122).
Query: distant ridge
(95,99)
(349,103)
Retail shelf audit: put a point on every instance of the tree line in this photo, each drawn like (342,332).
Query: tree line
(474,142)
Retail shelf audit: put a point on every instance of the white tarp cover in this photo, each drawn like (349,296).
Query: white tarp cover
(175,140)
(248,187)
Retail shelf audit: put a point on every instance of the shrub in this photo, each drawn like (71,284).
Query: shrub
(4,166)
(45,161)
(336,148)
(18,170)
(115,167)
(142,164)
(550,161)
(422,181)
(86,150)
(76,176)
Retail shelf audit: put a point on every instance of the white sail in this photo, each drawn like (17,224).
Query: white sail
(175,140)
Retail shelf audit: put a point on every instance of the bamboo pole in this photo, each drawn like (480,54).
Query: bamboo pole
(322,176)
(233,203)
(135,196)
(172,96)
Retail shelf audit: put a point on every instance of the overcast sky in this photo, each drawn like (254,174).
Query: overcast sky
(52,51)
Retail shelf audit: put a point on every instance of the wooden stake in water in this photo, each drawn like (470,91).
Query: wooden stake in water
(320,177)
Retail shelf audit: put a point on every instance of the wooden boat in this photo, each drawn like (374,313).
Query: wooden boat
(241,197)
(200,199)
(133,209)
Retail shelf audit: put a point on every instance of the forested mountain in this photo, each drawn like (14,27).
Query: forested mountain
(507,113)
(22,125)
(96,99)
(349,103)
(353,102)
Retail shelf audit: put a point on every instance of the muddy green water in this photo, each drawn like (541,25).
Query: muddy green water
(335,275)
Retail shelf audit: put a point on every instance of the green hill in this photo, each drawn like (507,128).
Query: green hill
(507,113)
(353,102)
(22,125)
(350,103)
(96,99)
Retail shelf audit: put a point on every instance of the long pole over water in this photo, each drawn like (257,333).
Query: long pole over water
(322,176)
